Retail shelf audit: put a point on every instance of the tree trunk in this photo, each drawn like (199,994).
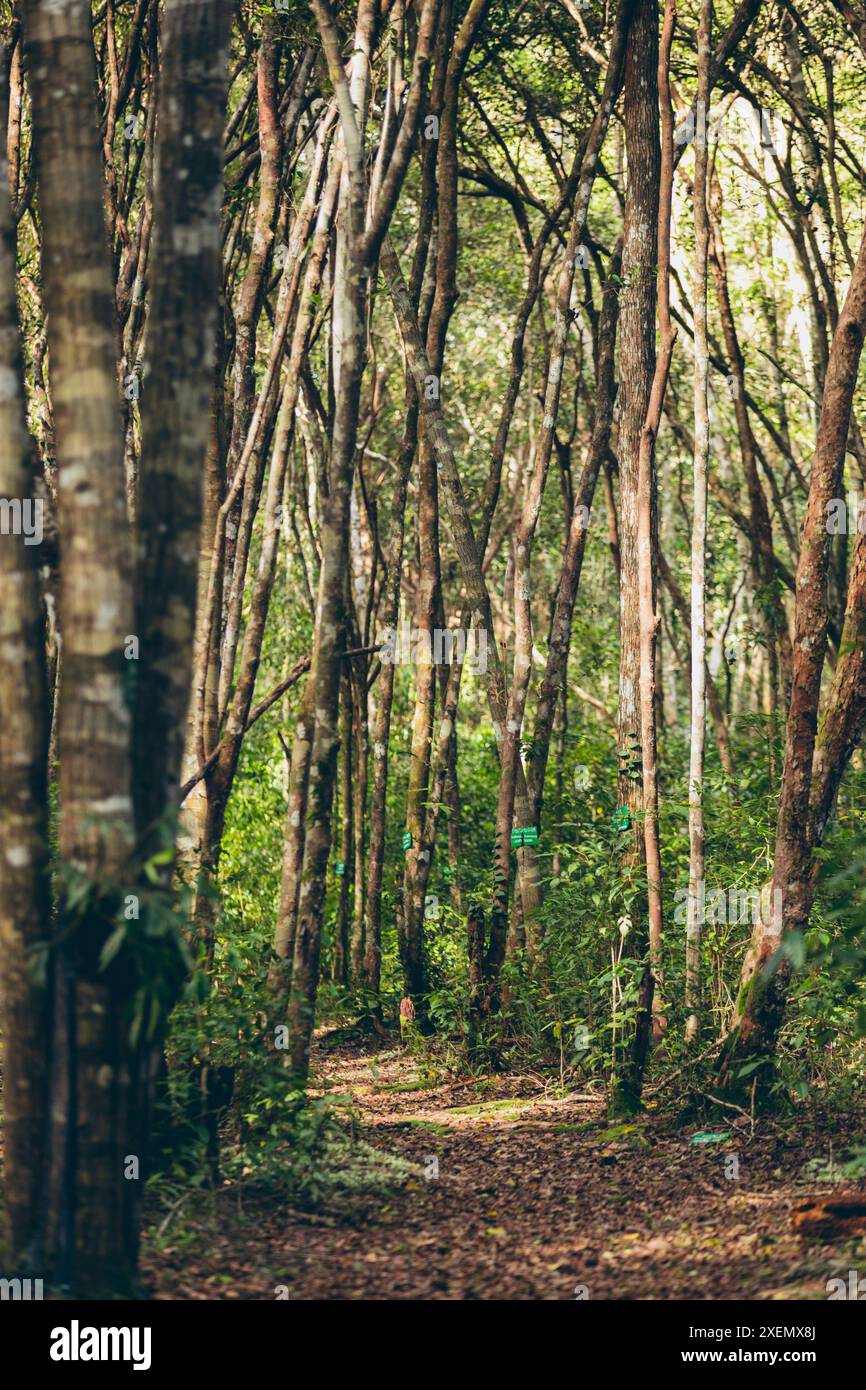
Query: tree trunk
(350,297)
(382,723)
(89,1202)
(106,791)
(637,359)
(697,732)
(24,879)
(761,999)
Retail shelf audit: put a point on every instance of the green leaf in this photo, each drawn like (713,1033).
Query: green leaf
(112,946)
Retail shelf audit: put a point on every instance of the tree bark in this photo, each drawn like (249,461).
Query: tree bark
(24,879)
(697,731)
(761,1000)
(637,360)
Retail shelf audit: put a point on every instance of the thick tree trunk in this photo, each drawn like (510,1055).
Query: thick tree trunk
(89,1204)
(105,794)
(24,881)
(182,324)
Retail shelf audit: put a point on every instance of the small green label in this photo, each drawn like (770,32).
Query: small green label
(524,835)
(340,868)
(407,839)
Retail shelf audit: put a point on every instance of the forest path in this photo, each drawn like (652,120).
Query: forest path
(519,1193)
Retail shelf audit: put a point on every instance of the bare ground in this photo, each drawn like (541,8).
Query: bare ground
(536,1197)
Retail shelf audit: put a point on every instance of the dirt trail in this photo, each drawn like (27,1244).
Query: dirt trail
(529,1196)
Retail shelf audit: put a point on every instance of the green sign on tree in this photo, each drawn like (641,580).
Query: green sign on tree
(524,835)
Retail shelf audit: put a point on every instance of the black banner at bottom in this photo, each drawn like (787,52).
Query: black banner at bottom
(230,1338)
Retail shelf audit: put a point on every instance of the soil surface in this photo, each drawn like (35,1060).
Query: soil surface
(517,1192)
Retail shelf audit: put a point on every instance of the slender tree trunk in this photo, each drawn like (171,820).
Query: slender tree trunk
(341,930)
(761,1000)
(280,973)
(647,532)
(221,778)
(845,718)
(417,869)
(764,567)
(426,602)
(723,737)
(247,310)
(525,531)
(637,359)
(382,722)
(360,769)
(699,544)
(349,310)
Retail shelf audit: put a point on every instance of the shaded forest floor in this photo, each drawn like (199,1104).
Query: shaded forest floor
(536,1195)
